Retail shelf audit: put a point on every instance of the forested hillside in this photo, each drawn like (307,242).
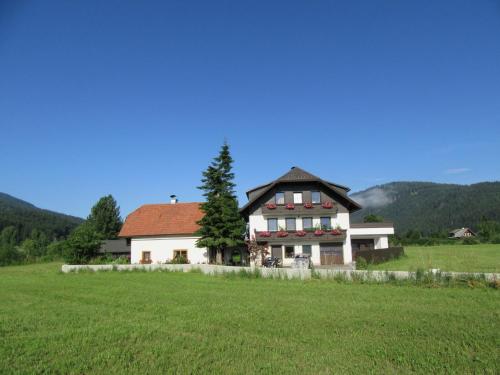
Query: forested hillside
(25,217)
(430,207)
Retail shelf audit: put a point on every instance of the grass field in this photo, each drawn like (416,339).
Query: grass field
(460,258)
(115,323)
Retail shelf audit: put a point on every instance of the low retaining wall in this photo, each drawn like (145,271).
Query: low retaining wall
(277,273)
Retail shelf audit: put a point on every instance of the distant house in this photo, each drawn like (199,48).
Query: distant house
(461,233)
(115,248)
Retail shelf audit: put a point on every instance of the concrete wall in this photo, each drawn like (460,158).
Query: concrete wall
(288,273)
(162,249)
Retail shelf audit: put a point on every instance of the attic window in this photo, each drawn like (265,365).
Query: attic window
(316,197)
(280,198)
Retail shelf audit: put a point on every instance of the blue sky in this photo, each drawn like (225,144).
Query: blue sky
(134,98)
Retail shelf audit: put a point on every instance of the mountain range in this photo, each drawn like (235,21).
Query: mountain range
(423,206)
(25,217)
(430,207)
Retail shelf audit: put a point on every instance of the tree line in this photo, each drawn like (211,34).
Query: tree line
(79,246)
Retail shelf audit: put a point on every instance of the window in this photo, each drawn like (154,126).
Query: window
(272,225)
(180,254)
(316,197)
(326,223)
(280,198)
(146,257)
(129,241)
(306,249)
(289,252)
(307,223)
(297,198)
(290,223)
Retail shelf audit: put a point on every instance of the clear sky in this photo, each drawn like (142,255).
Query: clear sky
(134,98)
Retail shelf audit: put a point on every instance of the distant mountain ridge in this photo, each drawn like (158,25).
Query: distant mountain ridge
(26,217)
(430,207)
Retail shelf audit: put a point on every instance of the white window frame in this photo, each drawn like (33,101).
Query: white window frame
(312,200)
(297,198)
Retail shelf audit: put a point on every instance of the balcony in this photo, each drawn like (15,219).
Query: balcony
(333,235)
(301,209)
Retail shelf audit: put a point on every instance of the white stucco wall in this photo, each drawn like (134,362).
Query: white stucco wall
(371,231)
(162,249)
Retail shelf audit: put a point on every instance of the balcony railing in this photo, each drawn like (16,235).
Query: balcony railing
(331,235)
(300,209)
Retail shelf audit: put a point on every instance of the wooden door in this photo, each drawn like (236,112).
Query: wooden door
(331,254)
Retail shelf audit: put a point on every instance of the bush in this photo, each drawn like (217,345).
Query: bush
(179,260)
(82,245)
(470,241)
(496,239)
(361,263)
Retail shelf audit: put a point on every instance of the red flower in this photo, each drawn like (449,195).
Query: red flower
(300,233)
(290,206)
(264,234)
(308,205)
(336,232)
(327,204)
(271,206)
(319,232)
(282,233)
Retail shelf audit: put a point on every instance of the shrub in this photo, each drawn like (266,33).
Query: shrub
(179,260)
(82,245)
(361,263)
(496,239)
(470,241)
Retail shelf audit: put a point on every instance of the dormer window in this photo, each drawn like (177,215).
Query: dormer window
(316,197)
(280,198)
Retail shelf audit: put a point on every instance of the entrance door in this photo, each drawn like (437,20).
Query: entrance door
(331,253)
(276,251)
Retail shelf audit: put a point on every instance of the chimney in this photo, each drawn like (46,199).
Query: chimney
(173,199)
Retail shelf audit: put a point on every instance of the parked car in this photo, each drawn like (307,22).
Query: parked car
(302,261)
(272,262)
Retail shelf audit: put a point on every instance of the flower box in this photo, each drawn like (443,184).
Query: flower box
(319,232)
(327,205)
(282,234)
(300,233)
(336,232)
(308,205)
(264,234)
(289,206)
(271,206)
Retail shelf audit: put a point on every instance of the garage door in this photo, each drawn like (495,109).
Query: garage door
(331,253)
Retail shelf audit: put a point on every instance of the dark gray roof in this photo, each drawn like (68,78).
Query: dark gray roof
(118,246)
(296,174)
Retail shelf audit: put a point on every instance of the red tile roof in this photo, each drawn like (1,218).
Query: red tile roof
(162,219)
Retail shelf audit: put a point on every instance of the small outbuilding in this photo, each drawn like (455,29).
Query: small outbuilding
(461,233)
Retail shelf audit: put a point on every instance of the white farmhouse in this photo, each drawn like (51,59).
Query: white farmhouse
(300,213)
(159,233)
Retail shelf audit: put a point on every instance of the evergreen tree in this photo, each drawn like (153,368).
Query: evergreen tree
(222,226)
(105,217)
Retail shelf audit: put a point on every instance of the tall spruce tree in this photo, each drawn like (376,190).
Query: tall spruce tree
(105,217)
(222,226)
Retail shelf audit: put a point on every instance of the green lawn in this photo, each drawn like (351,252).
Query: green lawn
(460,258)
(158,322)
